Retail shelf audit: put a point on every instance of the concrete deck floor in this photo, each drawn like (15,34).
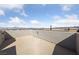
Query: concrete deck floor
(27,44)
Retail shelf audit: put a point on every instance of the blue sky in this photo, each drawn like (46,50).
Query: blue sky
(39,15)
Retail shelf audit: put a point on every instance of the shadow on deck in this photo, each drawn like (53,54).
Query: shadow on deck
(8,40)
(66,47)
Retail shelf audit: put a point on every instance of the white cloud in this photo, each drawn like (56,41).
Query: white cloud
(16,22)
(66,23)
(18,8)
(71,20)
(2,24)
(2,13)
(35,23)
(14,7)
(72,16)
(11,6)
(66,7)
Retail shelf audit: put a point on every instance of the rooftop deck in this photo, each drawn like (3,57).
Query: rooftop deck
(39,42)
